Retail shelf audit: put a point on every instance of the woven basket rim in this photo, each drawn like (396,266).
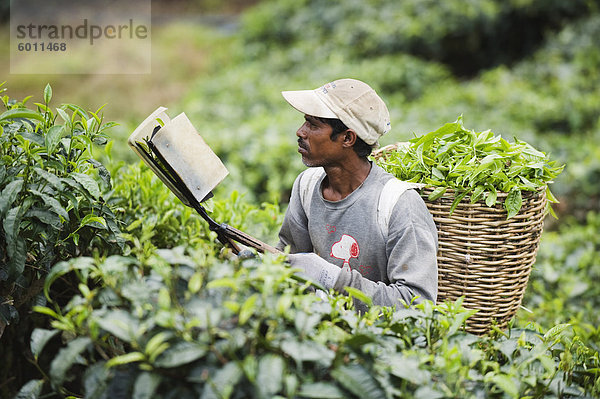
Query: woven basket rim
(450,190)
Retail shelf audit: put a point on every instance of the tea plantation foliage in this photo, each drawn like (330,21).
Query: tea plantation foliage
(110,287)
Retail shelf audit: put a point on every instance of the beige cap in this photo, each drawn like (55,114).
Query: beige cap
(353,102)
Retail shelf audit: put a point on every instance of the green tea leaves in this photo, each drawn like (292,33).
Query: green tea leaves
(66,358)
(479,165)
(31,390)
(506,383)
(53,203)
(125,359)
(437,193)
(359,381)
(47,93)
(492,195)
(53,136)
(88,183)
(39,339)
(9,194)
(21,113)
(513,202)
(247,309)
(179,354)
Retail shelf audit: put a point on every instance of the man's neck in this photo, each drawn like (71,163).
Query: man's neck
(341,181)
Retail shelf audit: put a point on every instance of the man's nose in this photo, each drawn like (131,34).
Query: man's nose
(301,133)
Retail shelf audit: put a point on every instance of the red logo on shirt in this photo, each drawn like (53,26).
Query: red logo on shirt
(330,229)
(364,269)
(345,249)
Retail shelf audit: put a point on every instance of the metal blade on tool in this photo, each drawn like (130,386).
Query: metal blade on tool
(179,156)
(190,157)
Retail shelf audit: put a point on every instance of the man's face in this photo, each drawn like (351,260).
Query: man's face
(315,144)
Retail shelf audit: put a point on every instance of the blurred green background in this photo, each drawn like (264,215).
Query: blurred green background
(528,69)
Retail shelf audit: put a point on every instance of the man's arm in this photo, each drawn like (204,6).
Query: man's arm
(294,229)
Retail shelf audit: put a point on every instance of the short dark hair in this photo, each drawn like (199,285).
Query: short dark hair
(361,148)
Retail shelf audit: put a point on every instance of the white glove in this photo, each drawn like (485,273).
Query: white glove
(316,268)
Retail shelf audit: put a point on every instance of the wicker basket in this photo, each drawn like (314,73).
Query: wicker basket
(483,256)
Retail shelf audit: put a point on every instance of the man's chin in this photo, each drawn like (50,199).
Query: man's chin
(308,163)
(312,164)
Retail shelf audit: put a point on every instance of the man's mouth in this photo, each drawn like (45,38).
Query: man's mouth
(302,147)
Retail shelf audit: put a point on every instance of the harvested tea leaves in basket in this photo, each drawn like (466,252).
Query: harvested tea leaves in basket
(474,164)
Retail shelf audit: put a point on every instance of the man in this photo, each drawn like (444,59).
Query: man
(332,225)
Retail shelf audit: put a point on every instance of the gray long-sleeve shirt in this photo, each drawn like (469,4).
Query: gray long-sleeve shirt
(399,266)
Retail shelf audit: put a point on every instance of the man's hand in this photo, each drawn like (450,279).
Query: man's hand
(316,268)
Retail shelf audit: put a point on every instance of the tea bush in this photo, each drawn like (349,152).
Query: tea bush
(51,196)
(552,91)
(53,207)
(186,324)
(563,288)
(466,35)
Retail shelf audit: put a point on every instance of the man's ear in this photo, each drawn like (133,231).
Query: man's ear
(349,138)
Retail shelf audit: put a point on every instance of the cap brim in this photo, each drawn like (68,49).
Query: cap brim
(309,103)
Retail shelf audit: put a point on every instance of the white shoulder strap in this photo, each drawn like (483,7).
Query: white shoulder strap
(306,187)
(392,190)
